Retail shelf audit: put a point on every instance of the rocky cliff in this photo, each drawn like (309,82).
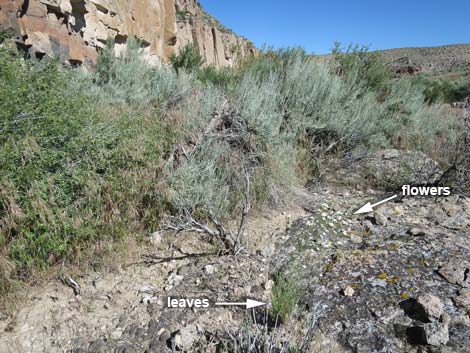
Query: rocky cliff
(75,30)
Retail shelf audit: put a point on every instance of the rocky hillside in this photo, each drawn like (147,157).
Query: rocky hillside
(75,30)
(395,280)
(428,59)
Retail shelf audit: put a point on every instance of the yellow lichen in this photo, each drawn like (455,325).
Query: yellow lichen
(383,275)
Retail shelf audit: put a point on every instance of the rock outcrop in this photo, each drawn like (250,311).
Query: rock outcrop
(362,284)
(217,44)
(75,30)
(407,293)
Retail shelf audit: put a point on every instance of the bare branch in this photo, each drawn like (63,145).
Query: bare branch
(246,208)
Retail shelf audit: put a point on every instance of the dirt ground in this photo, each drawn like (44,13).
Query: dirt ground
(53,317)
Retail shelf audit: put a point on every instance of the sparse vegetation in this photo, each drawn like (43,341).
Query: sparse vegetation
(107,155)
(181,15)
(285,297)
(261,336)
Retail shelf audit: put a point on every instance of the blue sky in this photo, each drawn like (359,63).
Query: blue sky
(316,25)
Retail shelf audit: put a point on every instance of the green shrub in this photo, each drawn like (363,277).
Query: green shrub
(362,67)
(220,77)
(444,90)
(105,65)
(181,15)
(188,59)
(75,168)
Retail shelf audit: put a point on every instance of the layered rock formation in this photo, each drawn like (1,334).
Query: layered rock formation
(75,30)
(218,45)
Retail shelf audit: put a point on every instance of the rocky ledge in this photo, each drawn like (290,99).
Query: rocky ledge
(393,281)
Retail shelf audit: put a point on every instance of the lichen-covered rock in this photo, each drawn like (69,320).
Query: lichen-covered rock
(434,334)
(391,169)
(387,270)
(368,287)
(431,306)
(463,299)
(456,271)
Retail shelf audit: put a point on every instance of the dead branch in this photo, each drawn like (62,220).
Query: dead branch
(228,126)
(246,208)
(186,222)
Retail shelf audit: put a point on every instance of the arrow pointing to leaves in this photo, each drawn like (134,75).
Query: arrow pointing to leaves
(368,207)
(249,304)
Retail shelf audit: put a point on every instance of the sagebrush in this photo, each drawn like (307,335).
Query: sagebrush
(90,157)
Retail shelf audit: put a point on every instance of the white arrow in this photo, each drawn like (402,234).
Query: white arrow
(249,304)
(369,208)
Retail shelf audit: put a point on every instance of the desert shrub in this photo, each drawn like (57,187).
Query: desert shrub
(271,60)
(75,167)
(41,126)
(457,173)
(104,155)
(290,102)
(220,77)
(443,90)
(362,67)
(105,65)
(188,59)
(128,80)
(203,181)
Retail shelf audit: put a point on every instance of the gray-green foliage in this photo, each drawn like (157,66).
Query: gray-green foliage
(128,79)
(281,98)
(84,157)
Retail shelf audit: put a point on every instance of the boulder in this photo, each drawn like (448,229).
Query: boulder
(434,334)
(456,272)
(391,169)
(431,306)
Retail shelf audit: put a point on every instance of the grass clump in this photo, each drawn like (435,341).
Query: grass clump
(285,297)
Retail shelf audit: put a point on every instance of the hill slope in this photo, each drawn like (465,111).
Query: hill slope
(428,59)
